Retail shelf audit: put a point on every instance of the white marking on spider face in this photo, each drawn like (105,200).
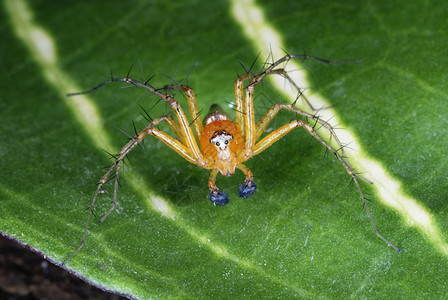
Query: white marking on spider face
(221,140)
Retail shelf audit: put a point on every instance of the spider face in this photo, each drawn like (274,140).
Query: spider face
(221,142)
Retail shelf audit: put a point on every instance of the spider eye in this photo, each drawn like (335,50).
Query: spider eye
(217,144)
(226,142)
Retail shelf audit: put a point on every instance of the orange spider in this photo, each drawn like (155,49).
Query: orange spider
(223,144)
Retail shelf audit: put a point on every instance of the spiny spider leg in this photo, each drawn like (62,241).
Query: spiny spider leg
(186,146)
(190,141)
(267,141)
(217,196)
(249,186)
(271,69)
(245,116)
(172,143)
(192,107)
(92,205)
(244,104)
(282,131)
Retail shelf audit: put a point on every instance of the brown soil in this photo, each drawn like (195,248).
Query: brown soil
(26,275)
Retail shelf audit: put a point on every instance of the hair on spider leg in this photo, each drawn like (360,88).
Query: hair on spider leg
(345,146)
(103,191)
(111,178)
(356,174)
(246,69)
(315,117)
(306,56)
(270,55)
(129,71)
(286,53)
(336,153)
(368,196)
(125,132)
(142,144)
(146,92)
(325,123)
(114,156)
(149,79)
(141,70)
(169,87)
(146,115)
(185,81)
(198,116)
(154,105)
(171,78)
(233,107)
(135,130)
(264,101)
(114,176)
(127,159)
(93,210)
(302,61)
(300,94)
(131,137)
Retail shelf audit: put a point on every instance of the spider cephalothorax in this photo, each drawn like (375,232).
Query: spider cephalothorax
(221,145)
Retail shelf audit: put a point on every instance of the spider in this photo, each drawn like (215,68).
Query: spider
(220,144)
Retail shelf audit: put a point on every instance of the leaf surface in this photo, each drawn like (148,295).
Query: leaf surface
(305,232)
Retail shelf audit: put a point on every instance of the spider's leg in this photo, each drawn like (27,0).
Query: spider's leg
(288,57)
(175,127)
(342,159)
(186,132)
(271,69)
(194,111)
(300,91)
(247,103)
(239,101)
(114,202)
(92,205)
(190,142)
(249,121)
(173,143)
(248,188)
(273,111)
(274,136)
(196,121)
(218,197)
(244,103)
(116,165)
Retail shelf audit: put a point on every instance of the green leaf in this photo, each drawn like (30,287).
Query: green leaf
(304,233)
